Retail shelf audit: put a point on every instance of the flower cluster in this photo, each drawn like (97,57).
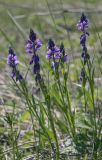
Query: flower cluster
(57,54)
(83,25)
(32,46)
(53,50)
(33,43)
(12,61)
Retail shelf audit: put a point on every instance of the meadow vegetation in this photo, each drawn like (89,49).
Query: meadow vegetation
(50,80)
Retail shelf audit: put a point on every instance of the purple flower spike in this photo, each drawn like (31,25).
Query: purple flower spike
(57,54)
(53,50)
(33,44)
(12,59)
(83,23)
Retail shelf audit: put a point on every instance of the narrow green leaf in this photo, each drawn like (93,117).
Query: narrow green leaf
(24,116)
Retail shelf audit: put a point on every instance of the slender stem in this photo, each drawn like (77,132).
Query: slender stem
(48,103)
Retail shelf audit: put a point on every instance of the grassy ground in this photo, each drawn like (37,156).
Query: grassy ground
(54,19)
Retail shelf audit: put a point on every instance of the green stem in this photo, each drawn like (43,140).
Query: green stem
(13,142)
(48,103)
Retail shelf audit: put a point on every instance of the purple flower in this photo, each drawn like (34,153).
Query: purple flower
(57,55)
(33,44)
(82,75)
(53,51)
(34,59)
(65,58)
(83,23)
(38,44)
(49,54)
(12,59)
(55,65)
(29,46)
(83,38)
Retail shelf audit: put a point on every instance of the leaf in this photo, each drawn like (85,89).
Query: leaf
(6,37)
(17,25)
(24,116)
(2,130)
(50,133)
(28,135)
(54,92)
(62,126)
(83,121)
